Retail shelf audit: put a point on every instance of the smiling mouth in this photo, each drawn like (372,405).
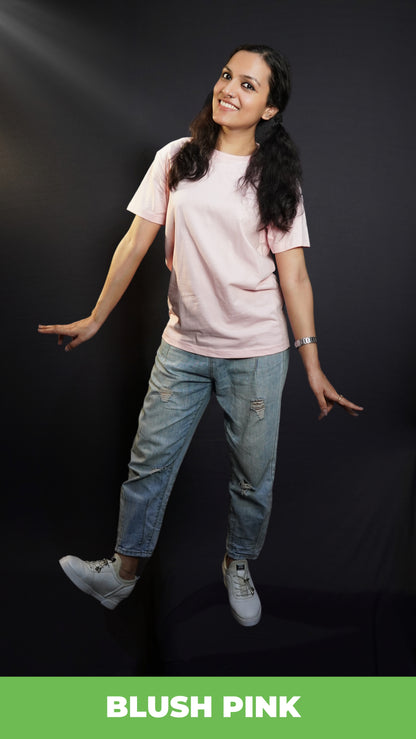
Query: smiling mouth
(228,106)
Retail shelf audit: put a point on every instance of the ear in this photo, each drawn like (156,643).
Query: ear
(270,112)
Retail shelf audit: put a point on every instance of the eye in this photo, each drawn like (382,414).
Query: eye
(226,75)
(248,85)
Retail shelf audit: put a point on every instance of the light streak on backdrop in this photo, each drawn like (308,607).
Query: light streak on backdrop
(66,81)
(39,47)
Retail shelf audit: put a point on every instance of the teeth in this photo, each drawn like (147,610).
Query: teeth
(228,105)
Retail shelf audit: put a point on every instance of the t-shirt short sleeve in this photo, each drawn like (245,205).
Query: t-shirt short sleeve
(151,199)
(298,235)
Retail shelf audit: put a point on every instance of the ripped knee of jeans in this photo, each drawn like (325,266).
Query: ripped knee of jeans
(165,395)
(245,487)
(258,407)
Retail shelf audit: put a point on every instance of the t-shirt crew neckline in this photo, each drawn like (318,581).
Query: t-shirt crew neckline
(231,157)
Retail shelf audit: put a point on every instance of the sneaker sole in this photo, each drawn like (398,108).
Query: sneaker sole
(248,621)
(76,580)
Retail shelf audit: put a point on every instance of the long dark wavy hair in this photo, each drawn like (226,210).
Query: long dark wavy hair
(274,169)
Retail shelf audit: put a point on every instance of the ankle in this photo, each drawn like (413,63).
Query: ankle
(127,566)
(126,574)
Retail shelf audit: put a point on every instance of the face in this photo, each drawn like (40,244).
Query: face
(241,93)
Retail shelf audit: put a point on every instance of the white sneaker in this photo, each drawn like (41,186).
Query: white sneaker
(100,579)
(244,601)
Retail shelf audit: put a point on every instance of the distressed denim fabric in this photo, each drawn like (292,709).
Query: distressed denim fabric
(249,392)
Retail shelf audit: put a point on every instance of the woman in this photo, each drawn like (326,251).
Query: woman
(228,205)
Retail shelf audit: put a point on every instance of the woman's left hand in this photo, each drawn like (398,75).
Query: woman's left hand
(327,396)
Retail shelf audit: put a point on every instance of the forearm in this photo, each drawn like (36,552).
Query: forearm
(297,293)
(298,298)
(123,266)
(125,262)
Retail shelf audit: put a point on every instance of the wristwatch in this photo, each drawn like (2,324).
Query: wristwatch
(305,340)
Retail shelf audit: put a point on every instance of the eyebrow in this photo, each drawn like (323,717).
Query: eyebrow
(244,76)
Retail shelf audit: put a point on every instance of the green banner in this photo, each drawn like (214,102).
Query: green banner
(253,707)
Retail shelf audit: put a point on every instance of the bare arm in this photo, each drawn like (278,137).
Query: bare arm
(126,259)
(297,293)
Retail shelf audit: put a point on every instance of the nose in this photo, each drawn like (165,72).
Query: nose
(228,88)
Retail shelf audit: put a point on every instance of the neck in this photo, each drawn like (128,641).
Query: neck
(239,143)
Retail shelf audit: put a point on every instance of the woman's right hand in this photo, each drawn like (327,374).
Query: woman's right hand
(79,331)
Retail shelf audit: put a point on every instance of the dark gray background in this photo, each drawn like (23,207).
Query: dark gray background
(88,93)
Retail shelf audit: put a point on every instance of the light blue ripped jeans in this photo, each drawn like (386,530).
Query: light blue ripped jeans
(249,392)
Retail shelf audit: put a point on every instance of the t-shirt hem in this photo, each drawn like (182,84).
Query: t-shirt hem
(237,353)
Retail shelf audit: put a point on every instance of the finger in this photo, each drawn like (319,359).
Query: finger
(62,337)
(324,411)
(352,406)
(353,410)
(69,346)
(47,329)
(325,405)
(344,402)
(56,329)
(348,405)
(73,344)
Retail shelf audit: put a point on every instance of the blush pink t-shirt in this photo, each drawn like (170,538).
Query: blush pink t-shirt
(224,299)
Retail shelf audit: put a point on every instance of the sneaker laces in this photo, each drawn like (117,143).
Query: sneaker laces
(243,586)
(98,564)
